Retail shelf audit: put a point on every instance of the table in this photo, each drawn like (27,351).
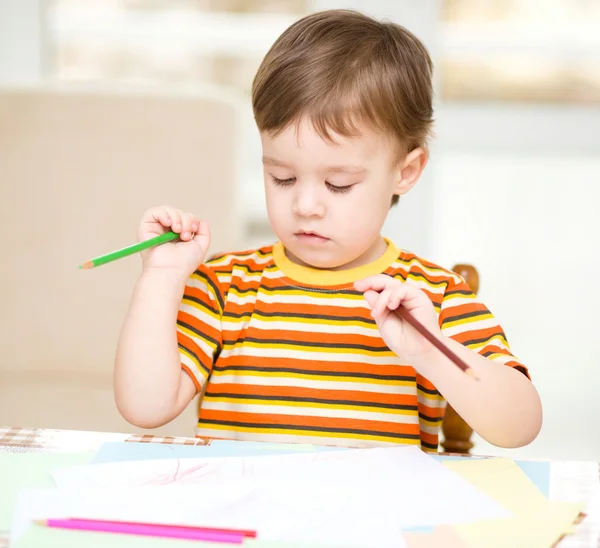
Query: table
(569,480)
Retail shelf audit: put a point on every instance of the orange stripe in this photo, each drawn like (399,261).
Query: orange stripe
(304,421)
(295,391)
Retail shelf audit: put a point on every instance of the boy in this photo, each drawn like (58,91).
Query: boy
(300,341)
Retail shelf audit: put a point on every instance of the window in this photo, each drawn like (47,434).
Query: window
(520,51)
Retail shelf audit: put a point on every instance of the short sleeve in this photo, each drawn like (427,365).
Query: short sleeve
(468,321)
(199,325)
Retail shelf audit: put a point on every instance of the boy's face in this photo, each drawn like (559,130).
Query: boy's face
(327,202)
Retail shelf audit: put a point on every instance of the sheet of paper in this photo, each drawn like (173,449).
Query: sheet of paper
(537,471)
(124,451)
(20,470)
(536,521)
(276,516)
(402,482)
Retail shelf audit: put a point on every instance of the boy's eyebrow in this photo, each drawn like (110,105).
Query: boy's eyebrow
(339,169)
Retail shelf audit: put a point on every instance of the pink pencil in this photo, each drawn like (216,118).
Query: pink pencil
(143,529)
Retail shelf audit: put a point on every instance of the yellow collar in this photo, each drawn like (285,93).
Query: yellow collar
(319,277)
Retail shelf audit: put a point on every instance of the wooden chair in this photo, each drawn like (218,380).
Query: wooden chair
(457,433)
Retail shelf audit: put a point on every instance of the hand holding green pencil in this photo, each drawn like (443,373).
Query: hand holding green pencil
(186,241)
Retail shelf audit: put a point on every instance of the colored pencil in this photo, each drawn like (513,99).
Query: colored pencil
(436,342)
(146,529)
(130,250)
(246,532)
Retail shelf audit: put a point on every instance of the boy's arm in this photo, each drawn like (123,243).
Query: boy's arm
(151,388)
(503,406)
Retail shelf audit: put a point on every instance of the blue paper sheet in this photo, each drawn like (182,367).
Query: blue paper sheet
(126,451)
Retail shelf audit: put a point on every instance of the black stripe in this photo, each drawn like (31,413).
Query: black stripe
(466,315)
(430,419)
(427,390)
(428,280)
(237,256)
(298,315)
(201,303)
(310,290)
(215,289)
(311,400)
(311,344)
(244,289)
(485,339)
(242,368)
(231,269)
(458,292)
(431,446)
(204,422)
(201,335)
(188,351)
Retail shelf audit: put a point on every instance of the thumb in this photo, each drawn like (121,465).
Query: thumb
(202,237)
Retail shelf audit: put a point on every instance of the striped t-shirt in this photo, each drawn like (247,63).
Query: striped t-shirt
(286,353)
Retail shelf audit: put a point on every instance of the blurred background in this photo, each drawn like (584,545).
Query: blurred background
(110,106)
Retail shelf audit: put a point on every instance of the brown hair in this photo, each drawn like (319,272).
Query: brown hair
(341,68)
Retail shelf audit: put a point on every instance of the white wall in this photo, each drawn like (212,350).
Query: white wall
(526,215)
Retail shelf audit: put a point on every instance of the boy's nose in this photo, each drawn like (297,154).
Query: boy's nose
(308,204)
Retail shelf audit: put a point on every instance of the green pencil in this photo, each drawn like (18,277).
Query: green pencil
(126,251)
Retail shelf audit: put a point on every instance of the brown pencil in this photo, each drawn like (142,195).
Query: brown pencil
(436,342)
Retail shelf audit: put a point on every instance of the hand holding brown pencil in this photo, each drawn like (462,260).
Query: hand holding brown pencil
(458,361)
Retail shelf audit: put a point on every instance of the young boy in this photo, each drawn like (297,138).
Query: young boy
(300,341)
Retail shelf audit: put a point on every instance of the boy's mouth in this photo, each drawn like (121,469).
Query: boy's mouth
(310,236)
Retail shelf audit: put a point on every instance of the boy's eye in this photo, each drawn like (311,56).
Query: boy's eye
(339,189)
(283,182)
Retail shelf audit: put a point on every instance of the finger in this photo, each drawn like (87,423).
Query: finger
(371,298)
(396,298)
(175,216)
(187,226)
(382,304)
(377,283)
(157,215)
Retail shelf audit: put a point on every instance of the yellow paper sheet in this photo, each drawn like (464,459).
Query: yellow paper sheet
(537,523)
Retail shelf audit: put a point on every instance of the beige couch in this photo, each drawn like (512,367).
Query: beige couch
(77,169)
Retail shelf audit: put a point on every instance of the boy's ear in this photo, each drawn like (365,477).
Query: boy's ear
(410,169)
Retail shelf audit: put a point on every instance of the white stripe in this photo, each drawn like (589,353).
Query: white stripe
(231,257)
(459,300)
(279,352)
(200,314)
(434,272)
(502,358)
(475,325)
(202,344)
(333,441)
(307,327)
(199,374)
(433,430)
(307,411)
(327,383)
(435,402)
(224,278)
(311,300)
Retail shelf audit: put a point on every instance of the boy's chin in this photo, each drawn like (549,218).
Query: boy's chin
(321,260)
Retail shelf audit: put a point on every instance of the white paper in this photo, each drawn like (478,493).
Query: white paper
(402,482)
(275,517)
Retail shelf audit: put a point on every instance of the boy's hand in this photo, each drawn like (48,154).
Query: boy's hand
(181,256)
(384,295)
